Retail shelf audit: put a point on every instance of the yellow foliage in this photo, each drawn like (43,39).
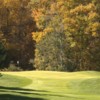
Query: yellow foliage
(82,9)
(90,6)
(37,36)
(94,34)
(69,20)
(52,7)
(78,21)
(48,30)
(60,4)
(92,15)
(95,26)
(37,14)
(73,44)
(71,17)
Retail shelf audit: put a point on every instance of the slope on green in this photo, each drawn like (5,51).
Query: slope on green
(52,86)
(13,81)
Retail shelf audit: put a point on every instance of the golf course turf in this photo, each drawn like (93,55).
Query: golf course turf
(49,85)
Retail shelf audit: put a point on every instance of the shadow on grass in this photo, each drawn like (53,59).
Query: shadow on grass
(17,97)
(19,89)
(10,93)
(27,92)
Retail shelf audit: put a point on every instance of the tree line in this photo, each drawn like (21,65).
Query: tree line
(69,38)
(58,35)
(16,25)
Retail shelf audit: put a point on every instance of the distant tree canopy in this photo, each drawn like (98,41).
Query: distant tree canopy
(59,35)
(69,35)
(16,25)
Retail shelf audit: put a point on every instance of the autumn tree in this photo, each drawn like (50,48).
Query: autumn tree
(50,54)
(52,46)
(81,27)
(17,25)
(84,31)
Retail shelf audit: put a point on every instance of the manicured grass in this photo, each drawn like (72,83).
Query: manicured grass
(50,85)
(14,81)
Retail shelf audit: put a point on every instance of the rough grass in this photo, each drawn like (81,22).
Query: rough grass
(50,85)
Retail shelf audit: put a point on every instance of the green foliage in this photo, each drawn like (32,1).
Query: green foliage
(13,68)
(52,50)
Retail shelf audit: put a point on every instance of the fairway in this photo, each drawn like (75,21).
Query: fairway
(48,85)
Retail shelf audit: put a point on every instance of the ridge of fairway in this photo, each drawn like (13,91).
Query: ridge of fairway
(56,74)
